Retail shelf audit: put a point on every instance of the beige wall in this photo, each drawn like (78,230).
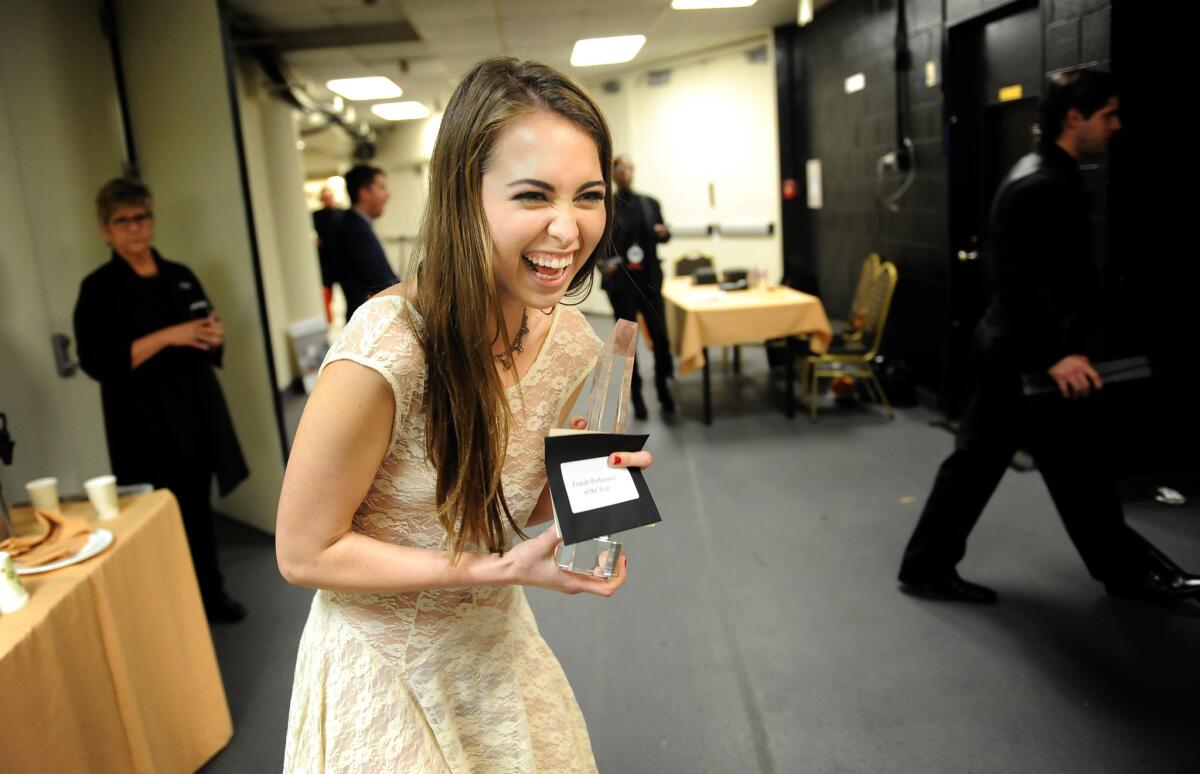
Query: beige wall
(250,108)
(287,251)
(294,235)
(182,118)
(714,122)
(326,153)
(60,139)
(403,152)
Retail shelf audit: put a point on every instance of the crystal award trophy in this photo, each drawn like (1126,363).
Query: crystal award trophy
(607,412)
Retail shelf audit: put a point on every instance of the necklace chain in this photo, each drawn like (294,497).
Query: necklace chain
(518,344)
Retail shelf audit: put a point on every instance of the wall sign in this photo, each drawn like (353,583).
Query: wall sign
(812,182)
(1011,93)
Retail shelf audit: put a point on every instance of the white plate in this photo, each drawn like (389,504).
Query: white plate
(99,540)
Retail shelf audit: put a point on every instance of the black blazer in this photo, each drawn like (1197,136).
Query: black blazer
(1045,282)
(168,416)
(360,265)
(325,222)
(634,220)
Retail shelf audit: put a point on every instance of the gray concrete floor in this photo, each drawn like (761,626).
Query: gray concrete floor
(761,630)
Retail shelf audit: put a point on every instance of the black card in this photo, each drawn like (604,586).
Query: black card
(590,498)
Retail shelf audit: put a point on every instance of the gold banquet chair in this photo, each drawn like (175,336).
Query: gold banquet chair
(851,329)
(853,357)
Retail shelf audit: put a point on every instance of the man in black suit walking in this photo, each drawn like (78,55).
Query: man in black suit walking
(360,265)
(1041,320)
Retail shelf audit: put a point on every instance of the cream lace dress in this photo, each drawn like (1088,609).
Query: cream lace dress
(437,681)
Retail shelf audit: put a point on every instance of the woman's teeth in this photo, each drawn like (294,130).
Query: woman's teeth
(547,268)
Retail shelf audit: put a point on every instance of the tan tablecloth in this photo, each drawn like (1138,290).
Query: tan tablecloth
(110,667)
(700,316)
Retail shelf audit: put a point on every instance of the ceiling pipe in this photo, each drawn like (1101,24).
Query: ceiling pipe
(250,40)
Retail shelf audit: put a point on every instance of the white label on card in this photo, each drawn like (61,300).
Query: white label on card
(593,484)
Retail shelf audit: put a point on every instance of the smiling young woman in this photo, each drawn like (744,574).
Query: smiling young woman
(419,458)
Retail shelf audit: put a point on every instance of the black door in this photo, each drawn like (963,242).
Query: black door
(993,82)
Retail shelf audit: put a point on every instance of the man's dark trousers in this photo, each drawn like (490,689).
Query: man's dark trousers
(1062,435)
(630,294)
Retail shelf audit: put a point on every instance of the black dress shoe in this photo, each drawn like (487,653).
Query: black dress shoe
(1157,584)
(224,609)
(639,406)
(947,585)
(664,396)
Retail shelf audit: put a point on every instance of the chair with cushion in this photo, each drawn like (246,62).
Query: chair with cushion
(852,357)
(850,329)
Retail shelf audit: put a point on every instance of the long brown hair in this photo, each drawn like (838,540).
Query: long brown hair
(468,416)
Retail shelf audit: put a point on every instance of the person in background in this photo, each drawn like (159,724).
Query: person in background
(149,334)
(1042,319)
(633,278)
(326,222)
(360,265)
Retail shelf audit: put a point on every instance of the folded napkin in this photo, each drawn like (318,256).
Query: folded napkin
(54,537)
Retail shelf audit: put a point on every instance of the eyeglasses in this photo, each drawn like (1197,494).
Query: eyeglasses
(132,220)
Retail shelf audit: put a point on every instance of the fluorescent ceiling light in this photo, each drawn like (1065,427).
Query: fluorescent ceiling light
(374,87)
(804,13)
(699,5)
(602,51)
(400,111)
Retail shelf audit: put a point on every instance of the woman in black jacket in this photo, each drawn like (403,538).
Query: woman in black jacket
(147,332)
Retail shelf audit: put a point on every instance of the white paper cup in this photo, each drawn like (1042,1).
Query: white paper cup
(43,493)
(102,491)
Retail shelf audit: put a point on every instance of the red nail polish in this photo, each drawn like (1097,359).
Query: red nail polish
(616,459)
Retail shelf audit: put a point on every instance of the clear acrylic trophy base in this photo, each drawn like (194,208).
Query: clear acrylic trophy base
(598,557)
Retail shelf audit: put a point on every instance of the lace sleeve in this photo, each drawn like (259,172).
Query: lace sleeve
(379,337)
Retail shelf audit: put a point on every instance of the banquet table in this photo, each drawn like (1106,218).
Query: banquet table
(703,316)
(110,666)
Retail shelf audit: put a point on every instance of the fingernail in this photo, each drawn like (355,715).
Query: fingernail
(616,459)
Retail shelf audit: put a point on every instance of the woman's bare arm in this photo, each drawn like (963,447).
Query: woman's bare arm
(339,446)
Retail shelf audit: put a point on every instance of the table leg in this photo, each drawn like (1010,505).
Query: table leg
(789,376)
(737,360)
(707,389)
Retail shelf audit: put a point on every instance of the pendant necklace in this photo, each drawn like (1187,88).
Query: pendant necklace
(518,344)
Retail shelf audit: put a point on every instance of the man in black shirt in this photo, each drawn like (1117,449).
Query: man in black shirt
(148,333)
(633,278)
(326,222)
(360,265)
(1041,320)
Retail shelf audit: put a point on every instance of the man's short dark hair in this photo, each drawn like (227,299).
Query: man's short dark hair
(121,192)
(1085,90)
(358,178)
